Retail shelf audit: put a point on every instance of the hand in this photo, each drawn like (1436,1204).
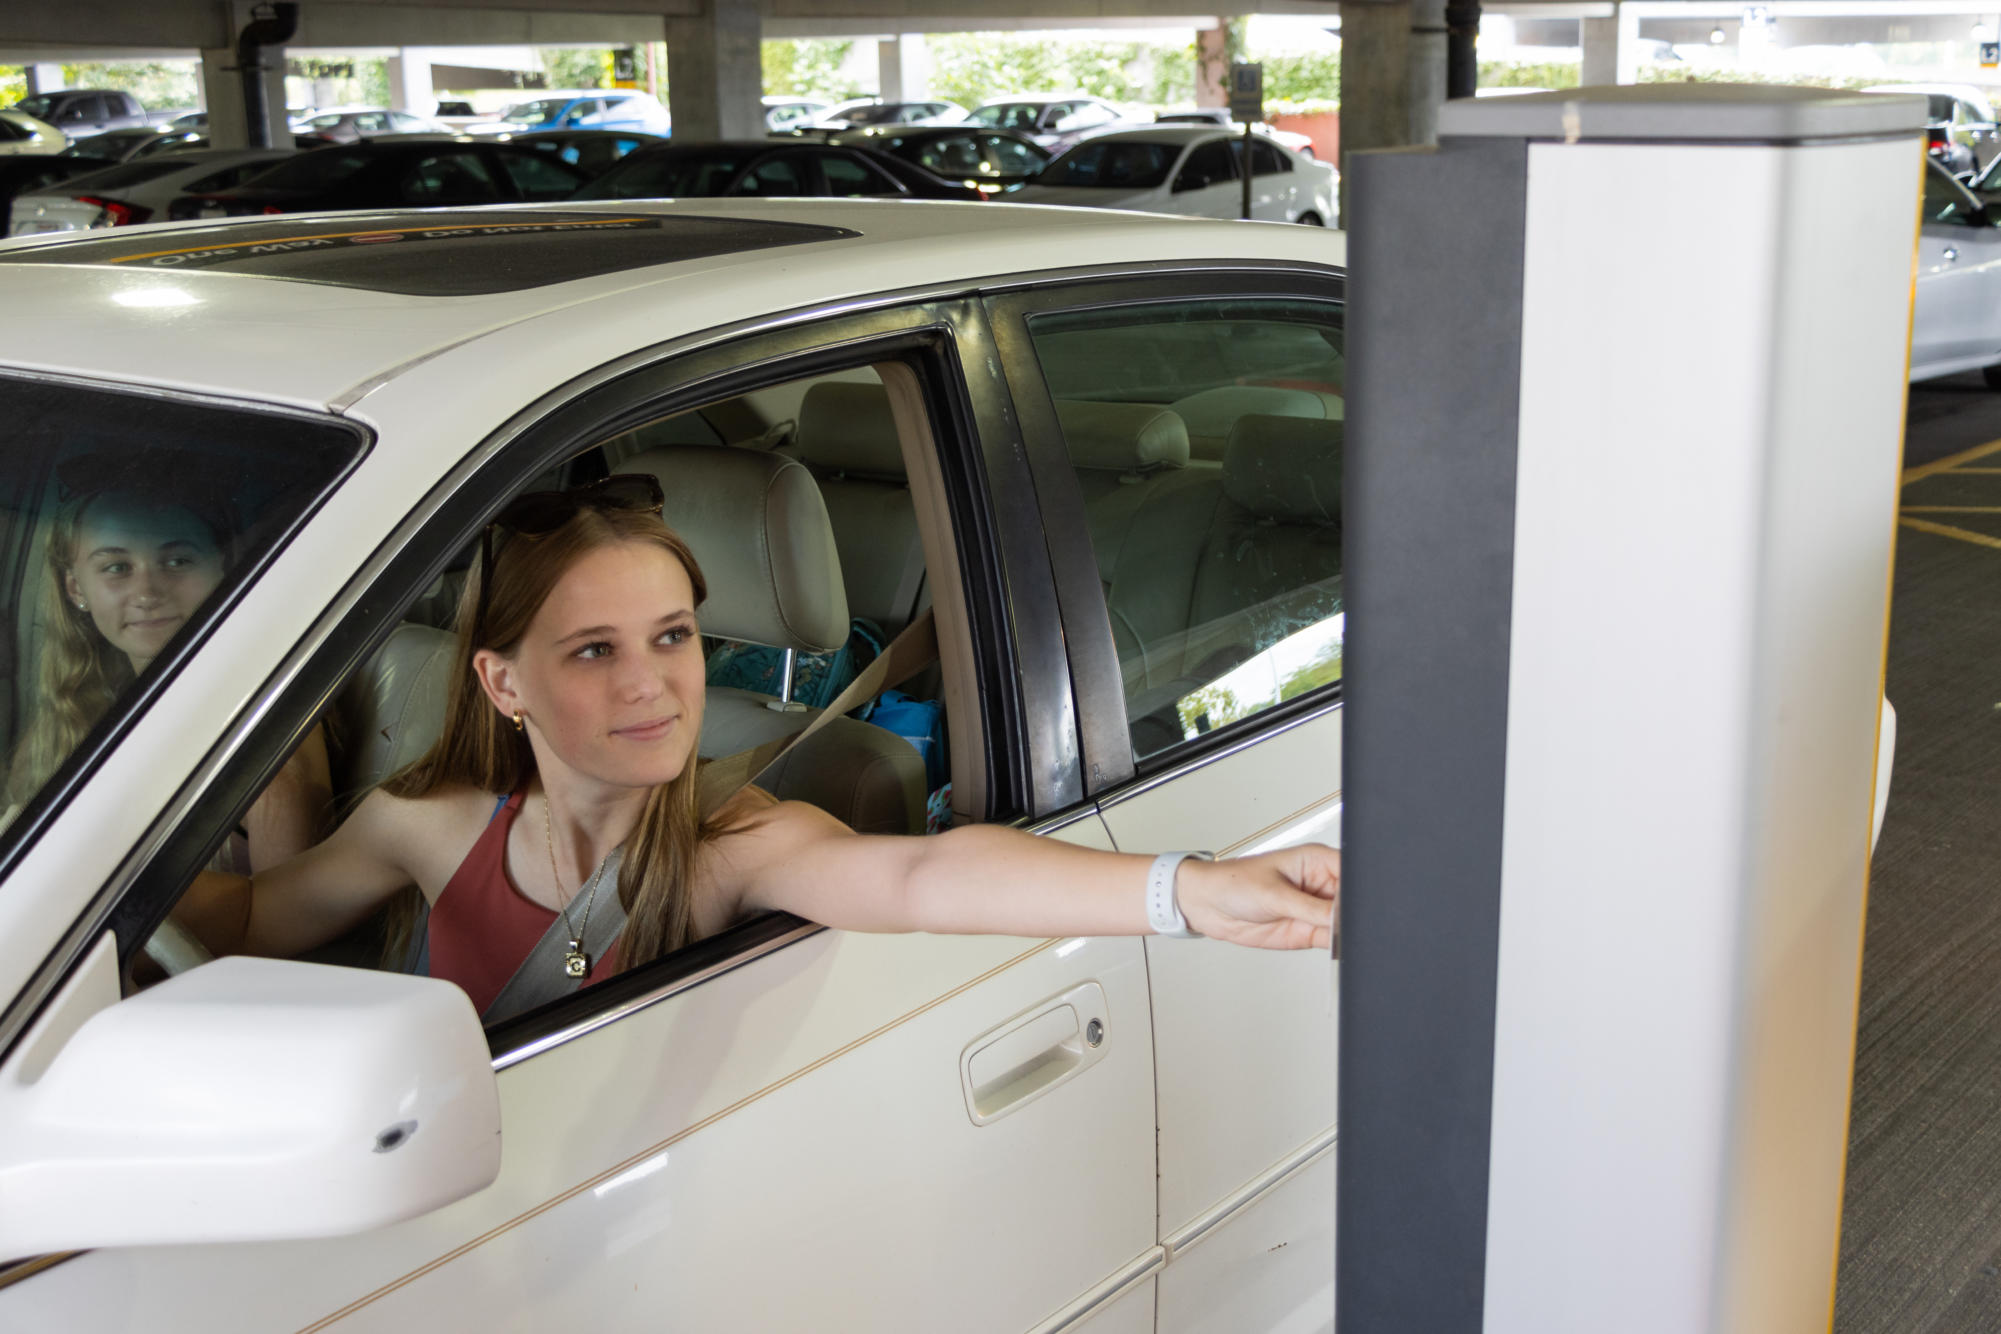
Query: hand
(1284,900)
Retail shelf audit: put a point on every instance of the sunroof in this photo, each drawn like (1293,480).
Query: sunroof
(435,253)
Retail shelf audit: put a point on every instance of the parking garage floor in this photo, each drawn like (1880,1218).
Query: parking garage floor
(1921,1227)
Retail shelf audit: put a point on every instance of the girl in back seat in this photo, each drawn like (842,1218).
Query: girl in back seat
(557,827)
(138,543)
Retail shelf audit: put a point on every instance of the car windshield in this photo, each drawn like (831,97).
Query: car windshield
(663,175)
(1008,115)
(1112,164)
(38,107)
(314,171)
(534,113)
(125,519)
(109,147)
(882,113)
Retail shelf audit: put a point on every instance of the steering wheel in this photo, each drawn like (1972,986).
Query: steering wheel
(175,949)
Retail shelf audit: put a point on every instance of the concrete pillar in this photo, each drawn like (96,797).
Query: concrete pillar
(222,94)
(1392,75)
(410,82)
(1599,39)
(1627,55)
(903,68)
(44,78)
(715,80)
(1212,67)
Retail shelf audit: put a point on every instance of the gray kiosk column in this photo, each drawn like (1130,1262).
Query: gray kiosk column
(1624,423)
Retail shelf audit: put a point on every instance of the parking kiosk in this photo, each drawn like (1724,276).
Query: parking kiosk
(1625,417)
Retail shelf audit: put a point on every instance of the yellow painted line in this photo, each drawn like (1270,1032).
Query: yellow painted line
(1943,530)
(1952,509)
(1961,472)
(1950,461)
(371,231)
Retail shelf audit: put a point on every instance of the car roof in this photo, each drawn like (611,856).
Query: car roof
(120,306)
(1169,133)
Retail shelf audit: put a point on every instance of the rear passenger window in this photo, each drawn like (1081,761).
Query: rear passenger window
(851,176)
(1207,441)
(537,178)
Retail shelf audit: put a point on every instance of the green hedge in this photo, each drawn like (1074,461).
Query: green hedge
(808,69)
(971,68)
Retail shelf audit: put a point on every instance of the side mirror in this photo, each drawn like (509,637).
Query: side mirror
(245,1100)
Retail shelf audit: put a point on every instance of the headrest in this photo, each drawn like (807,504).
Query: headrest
(1210,412)
(393,709)
(1285,468)
(1121,437)
(848,428)
(757,525)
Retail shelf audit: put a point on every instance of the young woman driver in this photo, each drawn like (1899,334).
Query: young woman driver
(570,736)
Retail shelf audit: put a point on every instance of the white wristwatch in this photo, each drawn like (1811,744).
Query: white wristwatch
(1163,914)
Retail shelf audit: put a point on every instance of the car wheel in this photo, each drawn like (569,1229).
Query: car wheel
(1310,219)
(1991,374)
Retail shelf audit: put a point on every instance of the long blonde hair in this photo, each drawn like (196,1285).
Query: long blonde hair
(80,673)
(479,748)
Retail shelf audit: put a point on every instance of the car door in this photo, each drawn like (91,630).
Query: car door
(1205,184)
(1956,317)
(779,1128)
(1202,602)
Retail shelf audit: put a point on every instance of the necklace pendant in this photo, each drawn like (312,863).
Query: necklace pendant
(576,963)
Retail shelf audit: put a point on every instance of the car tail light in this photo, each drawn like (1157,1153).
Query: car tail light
(114,213)
(272,208)
(1935,138)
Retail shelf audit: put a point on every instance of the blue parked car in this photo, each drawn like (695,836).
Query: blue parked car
(586,109)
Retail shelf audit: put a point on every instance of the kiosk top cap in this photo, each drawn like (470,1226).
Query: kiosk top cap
(1686,112)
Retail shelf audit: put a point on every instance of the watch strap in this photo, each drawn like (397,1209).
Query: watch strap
(1163,912)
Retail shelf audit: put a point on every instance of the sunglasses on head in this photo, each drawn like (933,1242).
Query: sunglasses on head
(539,513)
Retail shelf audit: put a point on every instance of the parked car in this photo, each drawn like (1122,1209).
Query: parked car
(21,174)
(1186,169)
(1297,142)
(593,152)
(21,134)
(138,191)
(871,111)
(1960,130)
(1956,314)
(1054,122)
(587,109)
(789,167)
(346,125)
(189,120)
(785,113)
(384,173)
(990,161)
(783,1126)
(79,112)
(135,142)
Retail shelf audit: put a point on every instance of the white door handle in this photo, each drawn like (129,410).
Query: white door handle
(1024,1058)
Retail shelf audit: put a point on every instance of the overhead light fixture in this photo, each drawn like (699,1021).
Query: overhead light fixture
(1718,37)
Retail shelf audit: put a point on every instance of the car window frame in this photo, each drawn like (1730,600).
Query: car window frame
(1026,709)
(1104,730)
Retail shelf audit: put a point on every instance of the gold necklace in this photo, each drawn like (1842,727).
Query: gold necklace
(576,963)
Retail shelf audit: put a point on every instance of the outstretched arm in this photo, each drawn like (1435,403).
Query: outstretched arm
(988,880)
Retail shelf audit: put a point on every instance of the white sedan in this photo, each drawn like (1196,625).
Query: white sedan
(21,133)
(137,191)
(1118,495)
(1956,318)
(1190,170)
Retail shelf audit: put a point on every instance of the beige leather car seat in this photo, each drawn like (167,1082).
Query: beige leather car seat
(1212,414)
(760,531)
(847,440)
(391,711)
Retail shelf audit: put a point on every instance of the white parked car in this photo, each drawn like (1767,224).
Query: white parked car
(1956,317)
(1104,450)
(21,133)
(137,191)
(1186,169)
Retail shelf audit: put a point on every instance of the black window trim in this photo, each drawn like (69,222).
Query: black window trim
(639,388)
(1105,738)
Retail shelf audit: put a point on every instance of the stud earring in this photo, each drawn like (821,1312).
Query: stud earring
(519,726)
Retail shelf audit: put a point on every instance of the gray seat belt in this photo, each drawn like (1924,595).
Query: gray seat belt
(541,976)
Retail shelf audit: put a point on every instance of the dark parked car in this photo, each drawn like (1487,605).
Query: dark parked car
(421,173)
(989,161)
(868,111)
(768,167)
(346,125)
(79,112)
(593,152)
(115,146)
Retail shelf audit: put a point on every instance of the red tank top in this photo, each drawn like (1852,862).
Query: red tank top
(482,927)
